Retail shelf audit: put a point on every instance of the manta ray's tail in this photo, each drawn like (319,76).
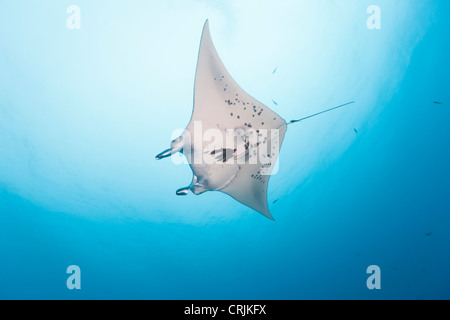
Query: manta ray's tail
(316,114)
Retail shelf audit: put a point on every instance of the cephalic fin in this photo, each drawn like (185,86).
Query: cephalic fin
(183,191)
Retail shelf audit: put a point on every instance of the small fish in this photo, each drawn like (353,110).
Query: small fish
(275,201)
(356,131)
(275,70)
(274,102)
(437,102)
(428,234)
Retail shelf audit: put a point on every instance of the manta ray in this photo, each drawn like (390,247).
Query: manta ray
(232,141)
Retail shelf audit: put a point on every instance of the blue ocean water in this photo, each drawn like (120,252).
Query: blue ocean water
(84,111)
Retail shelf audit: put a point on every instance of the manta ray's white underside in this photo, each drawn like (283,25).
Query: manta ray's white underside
(241,169)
